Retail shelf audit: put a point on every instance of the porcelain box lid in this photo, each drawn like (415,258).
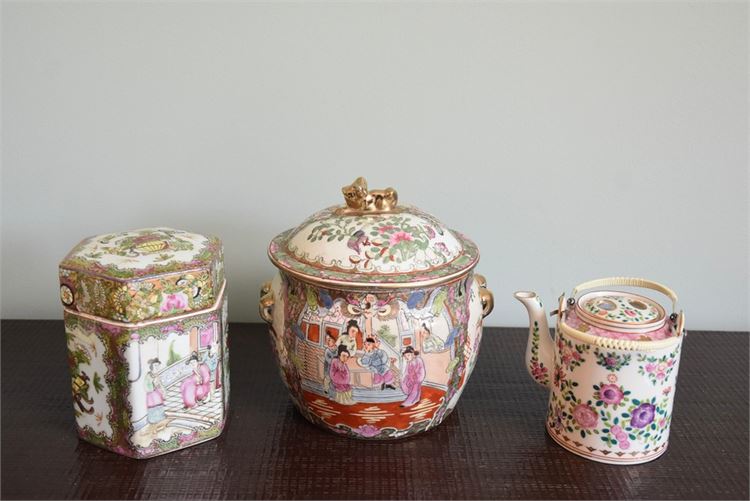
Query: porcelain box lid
(373,242)
(143,274)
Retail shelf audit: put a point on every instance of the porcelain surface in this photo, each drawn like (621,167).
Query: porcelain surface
(375,315)
(142,274)
(146,328)
(142,391)
(611,392)
(665,331)
(399,247)
(376,365)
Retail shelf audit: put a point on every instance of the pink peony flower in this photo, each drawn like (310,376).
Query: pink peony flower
(660,375)
(176,301)
(585,416)
(616,429)
(630,313)
(670,363)
(624,444)
(386,227)
(400,236)
(611,394)
(662,422)
(666,390)
(650,367)
(367,430)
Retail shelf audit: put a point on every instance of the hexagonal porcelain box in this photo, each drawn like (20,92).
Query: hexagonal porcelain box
(145,321)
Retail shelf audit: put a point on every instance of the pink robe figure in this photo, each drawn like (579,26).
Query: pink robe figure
(192,391)
(340,375)
(154,398)
(411,384)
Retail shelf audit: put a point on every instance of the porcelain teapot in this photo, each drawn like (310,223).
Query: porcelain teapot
(611,368)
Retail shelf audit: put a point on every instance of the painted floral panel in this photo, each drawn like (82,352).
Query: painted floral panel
(404,246)
(611,406)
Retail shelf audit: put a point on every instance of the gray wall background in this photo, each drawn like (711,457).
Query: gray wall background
(570,140)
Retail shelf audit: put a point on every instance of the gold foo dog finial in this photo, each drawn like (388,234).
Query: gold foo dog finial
(358,198)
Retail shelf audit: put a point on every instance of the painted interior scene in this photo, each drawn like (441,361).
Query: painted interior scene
(176,383)
(389,358)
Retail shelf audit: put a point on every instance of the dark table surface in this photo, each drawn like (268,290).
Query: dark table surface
(493,446)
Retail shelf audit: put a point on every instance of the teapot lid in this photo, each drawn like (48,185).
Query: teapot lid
(622,320)
(371,241)
(621,311)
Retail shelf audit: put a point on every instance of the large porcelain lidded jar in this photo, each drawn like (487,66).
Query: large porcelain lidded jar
(145,322)
(375,315)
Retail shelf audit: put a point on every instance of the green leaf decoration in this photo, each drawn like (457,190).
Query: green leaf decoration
(97,383)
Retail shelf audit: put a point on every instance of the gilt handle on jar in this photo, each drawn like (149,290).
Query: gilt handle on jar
(265,305)
(485,295)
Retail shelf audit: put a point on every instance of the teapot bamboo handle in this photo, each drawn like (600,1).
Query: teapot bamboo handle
(485,295)
(630,282)
(265,305)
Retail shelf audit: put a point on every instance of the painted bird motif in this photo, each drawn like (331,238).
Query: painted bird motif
(357,240)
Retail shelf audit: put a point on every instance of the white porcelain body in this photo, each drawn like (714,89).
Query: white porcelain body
(611,398)
(135,389)
(610,405)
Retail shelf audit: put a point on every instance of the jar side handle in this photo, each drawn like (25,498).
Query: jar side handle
(265,305)
(485,295)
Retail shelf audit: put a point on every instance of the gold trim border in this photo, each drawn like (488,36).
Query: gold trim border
(366,286)
(137,325)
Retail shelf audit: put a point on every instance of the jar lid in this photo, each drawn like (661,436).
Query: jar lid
(373,242)
(142,274)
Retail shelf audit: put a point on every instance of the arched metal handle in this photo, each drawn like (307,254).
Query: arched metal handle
(265,305)
(485,295)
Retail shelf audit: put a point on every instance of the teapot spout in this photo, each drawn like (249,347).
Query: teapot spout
(540,347)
